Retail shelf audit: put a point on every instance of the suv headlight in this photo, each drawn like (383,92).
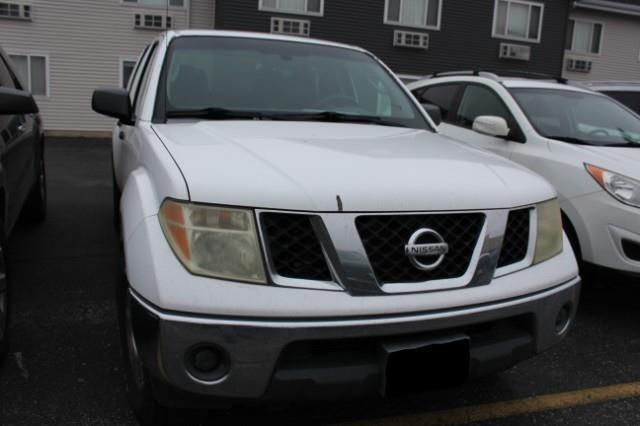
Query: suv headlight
(213,241)
(621,187)
(549,240)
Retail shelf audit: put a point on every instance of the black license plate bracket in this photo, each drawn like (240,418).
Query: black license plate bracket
(416,364)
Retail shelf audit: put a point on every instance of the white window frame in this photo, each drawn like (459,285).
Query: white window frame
(424,27)
(122,60)
(46,70)
(573,37)
(494,34)
(137,3)
(264,8)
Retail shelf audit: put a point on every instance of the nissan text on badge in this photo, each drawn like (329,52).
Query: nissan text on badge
(295,228)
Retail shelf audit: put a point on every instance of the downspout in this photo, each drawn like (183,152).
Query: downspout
(188,14)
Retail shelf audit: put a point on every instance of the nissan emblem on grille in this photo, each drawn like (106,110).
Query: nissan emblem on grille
(414,249)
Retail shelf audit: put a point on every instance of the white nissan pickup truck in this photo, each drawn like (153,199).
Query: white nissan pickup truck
(295,228)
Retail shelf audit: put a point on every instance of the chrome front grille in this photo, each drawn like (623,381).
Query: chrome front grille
(516,238)
(293,247)
(364,254)
(384,239)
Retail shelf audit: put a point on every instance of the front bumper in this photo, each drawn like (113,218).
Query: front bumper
(297,359)
(604,225)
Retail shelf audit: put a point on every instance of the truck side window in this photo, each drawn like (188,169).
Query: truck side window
(143,79)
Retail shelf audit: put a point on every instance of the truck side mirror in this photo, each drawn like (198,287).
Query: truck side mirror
(13,101)
(113,102)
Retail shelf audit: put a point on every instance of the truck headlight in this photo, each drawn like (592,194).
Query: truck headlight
(621,187)
(213,241)
(549,240)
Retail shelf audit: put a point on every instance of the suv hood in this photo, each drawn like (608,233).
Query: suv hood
(307,166)
(617,159)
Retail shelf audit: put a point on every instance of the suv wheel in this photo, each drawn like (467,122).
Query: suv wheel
(36,205)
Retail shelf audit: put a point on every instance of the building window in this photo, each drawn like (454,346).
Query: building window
(32,71)
(156,3)
(518,20)
(300,7)
(290,26)
(126,71)
(584,36)
(413,13)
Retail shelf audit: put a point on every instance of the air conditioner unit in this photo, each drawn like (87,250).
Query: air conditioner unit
(411,39)
(579,65)
(15,11)
(298,27)
(152,22)
(517,52)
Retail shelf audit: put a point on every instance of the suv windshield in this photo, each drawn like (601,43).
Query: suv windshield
(246,78)
(579,117)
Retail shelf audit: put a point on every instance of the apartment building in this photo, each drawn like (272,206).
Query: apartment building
(603,40)
(64,49)
(418,37)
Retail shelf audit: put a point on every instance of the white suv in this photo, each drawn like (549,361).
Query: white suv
(586,144)
(294,227)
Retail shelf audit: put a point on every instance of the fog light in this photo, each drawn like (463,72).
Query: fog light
(206,359)
(563,318)
(207,363)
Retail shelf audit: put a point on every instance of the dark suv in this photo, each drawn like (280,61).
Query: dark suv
(625,92)
(22,173)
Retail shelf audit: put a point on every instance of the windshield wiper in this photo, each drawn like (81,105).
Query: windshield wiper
(627,137)
(570,139)
(215,113)
(336,117)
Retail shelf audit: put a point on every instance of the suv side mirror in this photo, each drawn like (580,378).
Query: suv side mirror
(13,101)
(434,112)
(491,125)
(113,103)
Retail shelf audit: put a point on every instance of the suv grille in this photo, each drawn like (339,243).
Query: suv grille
(384,239)
(294,247)
(516,238)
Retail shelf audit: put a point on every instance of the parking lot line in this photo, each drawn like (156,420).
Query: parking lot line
(497,410)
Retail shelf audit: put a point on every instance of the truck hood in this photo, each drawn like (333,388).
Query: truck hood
(342,167)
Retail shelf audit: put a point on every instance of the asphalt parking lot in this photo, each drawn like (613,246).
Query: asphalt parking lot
(64,364)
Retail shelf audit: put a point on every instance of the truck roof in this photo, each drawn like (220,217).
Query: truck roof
(255,35)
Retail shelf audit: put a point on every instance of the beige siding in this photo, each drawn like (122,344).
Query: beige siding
(619,54)
(84,40)
(202,14)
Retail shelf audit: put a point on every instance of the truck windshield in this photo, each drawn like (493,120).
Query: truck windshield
(579,117)
(248,78)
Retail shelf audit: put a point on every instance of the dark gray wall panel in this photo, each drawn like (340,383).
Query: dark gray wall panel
(463,42)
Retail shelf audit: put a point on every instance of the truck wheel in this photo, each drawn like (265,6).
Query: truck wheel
(116,201)
(4,306)
(138,381)
(35,208)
